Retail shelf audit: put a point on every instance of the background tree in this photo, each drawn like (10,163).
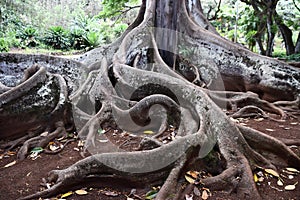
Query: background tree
(170,56)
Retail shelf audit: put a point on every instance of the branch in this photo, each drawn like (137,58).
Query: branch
(124,12)
(296,6)
(216,13)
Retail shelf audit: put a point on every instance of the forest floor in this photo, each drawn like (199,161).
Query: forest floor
(25,177)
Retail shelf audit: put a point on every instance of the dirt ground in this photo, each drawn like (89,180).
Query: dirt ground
(25,177)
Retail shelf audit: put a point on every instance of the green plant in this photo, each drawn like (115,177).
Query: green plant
(92,39)
(28,36)
(77,40)
(57,37)
(3,45)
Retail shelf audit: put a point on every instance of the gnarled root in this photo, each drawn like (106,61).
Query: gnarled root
(41,99)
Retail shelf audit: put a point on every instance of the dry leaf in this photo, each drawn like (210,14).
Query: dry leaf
(272,172)
(193,174)
(189,179)
(66,194)
(53,147)
(294,123)
(148,132)
(279,182)
(261,179)
(10,164)
(290,176)
(111,194)
(292,170)
(80,143)
(255,178)
(188,197)
(269,129)
(290,187)
(259,119)
(81,192)
(204,195)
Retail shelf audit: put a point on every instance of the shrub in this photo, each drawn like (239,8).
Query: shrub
(77,38)
(4,47)
(92,39)
(28,36)
(57,37)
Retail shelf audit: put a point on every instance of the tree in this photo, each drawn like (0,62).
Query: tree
(270,20)
(170,57)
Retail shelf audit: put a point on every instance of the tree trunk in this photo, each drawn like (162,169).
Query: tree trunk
(286,34)
(165,71)
(297,48)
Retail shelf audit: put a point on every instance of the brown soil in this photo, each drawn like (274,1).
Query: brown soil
(25,177)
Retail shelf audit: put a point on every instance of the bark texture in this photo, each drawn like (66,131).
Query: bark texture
(166,70)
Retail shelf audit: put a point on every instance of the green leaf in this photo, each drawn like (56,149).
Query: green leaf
(37,150)
(101,131)
(151,194)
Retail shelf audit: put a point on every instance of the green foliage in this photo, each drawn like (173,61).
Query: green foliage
(77,38)
(28,36)
(283,56)
(92,39)
(4,47)
(114,7)
(57,37)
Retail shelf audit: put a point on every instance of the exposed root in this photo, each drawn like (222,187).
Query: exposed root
(41,140)
(273,149)
(252,111)
(235,100)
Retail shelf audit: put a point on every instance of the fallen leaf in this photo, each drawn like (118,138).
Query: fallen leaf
(290,187)
(10,164)
(149,132)
(279,182)
(269,129)
(272,172)
(259,119)
(151,194)
(37,150)
(261,179)
(290,176)
(292,170)
(101,131)
(255,178)
(204,195)
(294,123)
(103,141)
(190,179)
(66,194)
(11,153)
(189,197)
(193,174)
(111,194)
(80,143)
(81,192)
(53,147)
(76,149)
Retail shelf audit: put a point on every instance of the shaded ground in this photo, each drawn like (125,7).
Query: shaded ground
(25,177)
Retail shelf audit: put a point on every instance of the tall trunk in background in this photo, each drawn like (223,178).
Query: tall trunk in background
(286,33)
